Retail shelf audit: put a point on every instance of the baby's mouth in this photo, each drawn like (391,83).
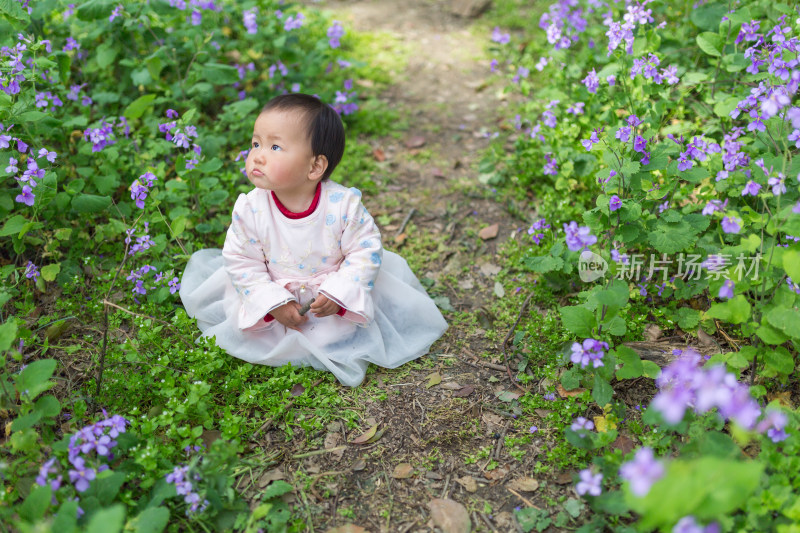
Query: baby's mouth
(257,172)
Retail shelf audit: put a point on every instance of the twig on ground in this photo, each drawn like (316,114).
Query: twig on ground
(405,221)
(523,498)
(500,440)
(487,522)
(505,341)
(493,366)
(318,452)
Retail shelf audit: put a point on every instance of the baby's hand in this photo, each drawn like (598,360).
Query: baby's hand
(324,306)
(289,315)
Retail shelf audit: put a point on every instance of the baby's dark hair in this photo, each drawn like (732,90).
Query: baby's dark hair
(325,128)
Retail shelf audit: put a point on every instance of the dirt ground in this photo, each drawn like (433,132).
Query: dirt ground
(407,478)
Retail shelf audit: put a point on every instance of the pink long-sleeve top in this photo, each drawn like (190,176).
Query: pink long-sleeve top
(274,256)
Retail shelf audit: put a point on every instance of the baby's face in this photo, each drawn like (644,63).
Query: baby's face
(280,157)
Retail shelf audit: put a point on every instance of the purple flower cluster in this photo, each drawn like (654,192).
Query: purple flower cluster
(582,424)
(590,352)
(104,135)
(551,165)
(249,20)
(563,23)
(578,238)
(143,241)
(195,18)
(28,179)
(293,22)
(141,187)
(591,81)
(137,278)
(183,486)
(684,383)
(86,447)
(642,471)
(335,32)
(345,102)
(648,68)
(500,37)
(539,225)
(32,271)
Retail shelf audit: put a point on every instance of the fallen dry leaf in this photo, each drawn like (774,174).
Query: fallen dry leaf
(270,476)
(433,379)
(464,392)
(359,465)
(366,436)
(543,412)
(450,516)
(565,393)
(466,284)
(417,141)
(526,484)
(497,473)
(451,385)
(297,389)
(400,239)
(603,424)
(623,444)
(705,339)
(377,436)
(489,232)
(784,398)
(378,154)
(489,269)
(468,482)
(403,471)
(436,173)
(564,478)
(209,436)
(652,332)
(332,440)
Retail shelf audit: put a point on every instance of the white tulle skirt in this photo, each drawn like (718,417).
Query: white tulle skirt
(406,323)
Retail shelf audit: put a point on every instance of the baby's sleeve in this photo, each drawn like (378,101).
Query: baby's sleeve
(246,264)
(361,245)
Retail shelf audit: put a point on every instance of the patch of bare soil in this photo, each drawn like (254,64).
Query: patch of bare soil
(431,456)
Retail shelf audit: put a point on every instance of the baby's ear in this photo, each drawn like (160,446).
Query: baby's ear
(318,167)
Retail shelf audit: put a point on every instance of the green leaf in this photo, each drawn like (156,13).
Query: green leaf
(151,520)
(780,360)
(13,225)
(706,488)
(216,197)
(8,332)
(632,363)
(106,53)
(47,406)
(36,504)
(108,520)
(50,272)
(770,335)
(35,377)
(672,237)
(137,108)
(578,320)
(687,317)
(219,74)
(708,16)
(277,488)
(95,9)
(66,519)
(791,264)
(25,421)
(32,116)
(543,263)
(650,369)
(570,379)
(785,320)
(602,391)
(710,43)
(735,311)
(13,10)
(90,203)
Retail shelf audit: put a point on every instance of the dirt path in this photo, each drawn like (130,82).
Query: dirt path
(436,440)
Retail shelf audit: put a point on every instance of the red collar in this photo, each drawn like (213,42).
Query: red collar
(290,214)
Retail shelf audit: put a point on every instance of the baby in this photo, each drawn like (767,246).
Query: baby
(302,277)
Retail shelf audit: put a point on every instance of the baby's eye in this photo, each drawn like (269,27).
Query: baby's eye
(275,148)
(255,144)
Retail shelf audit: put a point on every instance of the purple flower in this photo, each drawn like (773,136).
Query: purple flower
(623,134)
(614,203)
(174,285)
(582,423)
(774,423)
(26,196)
(726,291)
(589,483)
(533,429)
(687,524)
(335,33)
(751,188)
(550,167)
(591,351)
(611,80)
(591,141)
(171,113)
(639,144)
(578,238)
(713,206)
(731,225)
(591,81)
(81,475)
(777,184)
(249,20)
(293,22)
(642,471)
(500,37)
